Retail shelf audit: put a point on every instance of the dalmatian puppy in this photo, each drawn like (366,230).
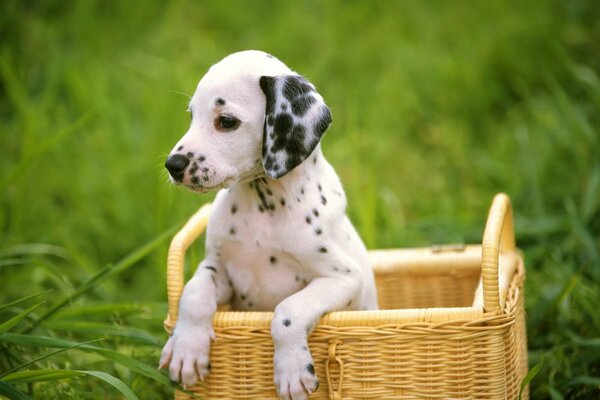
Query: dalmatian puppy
(278,237)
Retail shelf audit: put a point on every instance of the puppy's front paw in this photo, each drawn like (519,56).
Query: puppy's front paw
(295,375)
(186,354)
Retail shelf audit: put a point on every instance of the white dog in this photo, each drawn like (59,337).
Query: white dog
(278,237)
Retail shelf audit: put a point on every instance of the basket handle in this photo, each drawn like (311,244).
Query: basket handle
(192,229)
(499,235)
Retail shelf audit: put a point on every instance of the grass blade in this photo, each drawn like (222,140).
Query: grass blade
(40,375)
(21,300)
(126,361)
(104,310)
(100,329)
(6,326)
(58,374)
(115,382)
(585,380)
(11,393)
(531,374)
(47,356)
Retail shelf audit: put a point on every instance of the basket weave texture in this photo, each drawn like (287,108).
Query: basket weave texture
(426,342)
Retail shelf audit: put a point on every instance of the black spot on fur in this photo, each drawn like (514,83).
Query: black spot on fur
(263,200)
(284,106)
(308,221)
(273,260)
(193,168)
(323,200)
(213,269)
(322,249)
(269,192)
(323,123)
(264,143)
(195,180)
(190,154)
(319,187)
(269,56)
(311,369)
(232,230)
(205,178)
(283,124)
(296,86)
(297,278)
(315,212)
(260,208)
(296,141)
(304,348)
(243,296)
(233,208)
(250,304)
(287,322)
(318,231)
(302,190)
(293,160)
(220,102)
(336,269)
(301,105)
(180,148)
(201,158)
(282,201)
(267,84)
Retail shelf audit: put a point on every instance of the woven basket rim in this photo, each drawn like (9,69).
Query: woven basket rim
(431,318)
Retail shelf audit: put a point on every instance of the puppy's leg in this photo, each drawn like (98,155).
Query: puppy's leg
(294,320)
(186,352)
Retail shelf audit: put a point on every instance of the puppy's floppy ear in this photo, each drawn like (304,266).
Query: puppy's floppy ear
(295,119)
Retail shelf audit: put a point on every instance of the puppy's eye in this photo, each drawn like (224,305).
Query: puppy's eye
(226,123)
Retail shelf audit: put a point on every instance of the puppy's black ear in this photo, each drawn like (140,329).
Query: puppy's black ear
(295,119)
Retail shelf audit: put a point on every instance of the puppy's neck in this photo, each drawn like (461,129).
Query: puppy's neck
(289,190)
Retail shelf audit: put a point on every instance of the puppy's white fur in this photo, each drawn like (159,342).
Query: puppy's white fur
(284,244)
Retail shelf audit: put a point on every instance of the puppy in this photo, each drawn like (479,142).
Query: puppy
(278,236)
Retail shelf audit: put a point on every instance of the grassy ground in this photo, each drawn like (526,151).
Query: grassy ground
(436,107)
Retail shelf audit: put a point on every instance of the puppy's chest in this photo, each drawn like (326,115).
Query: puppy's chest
(253,248)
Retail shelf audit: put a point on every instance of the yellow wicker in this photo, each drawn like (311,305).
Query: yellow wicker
(427,341)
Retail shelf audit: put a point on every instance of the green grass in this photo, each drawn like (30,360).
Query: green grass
(436,107)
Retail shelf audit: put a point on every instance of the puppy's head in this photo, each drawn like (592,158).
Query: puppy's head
(251,116)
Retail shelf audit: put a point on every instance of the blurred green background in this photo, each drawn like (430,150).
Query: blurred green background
(436,107)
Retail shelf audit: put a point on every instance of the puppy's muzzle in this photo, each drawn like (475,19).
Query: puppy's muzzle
(176,165)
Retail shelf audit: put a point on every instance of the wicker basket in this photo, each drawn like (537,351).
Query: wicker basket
(427,341)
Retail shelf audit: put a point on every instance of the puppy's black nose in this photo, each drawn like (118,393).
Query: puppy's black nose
(176,165)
